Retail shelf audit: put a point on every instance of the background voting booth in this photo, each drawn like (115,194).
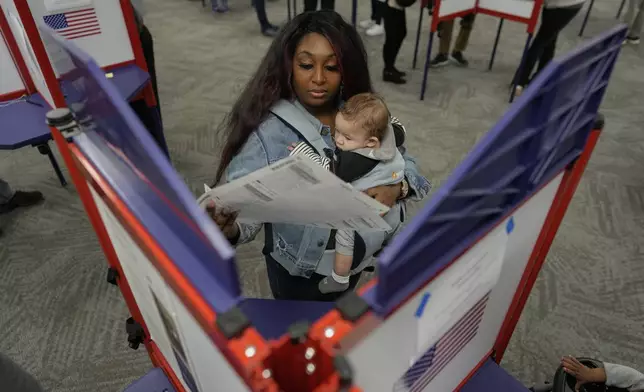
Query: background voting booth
(590,9)
(451,286)
(106,29)
(522,11)
(22,107)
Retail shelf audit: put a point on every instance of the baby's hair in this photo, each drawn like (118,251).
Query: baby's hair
(369,111)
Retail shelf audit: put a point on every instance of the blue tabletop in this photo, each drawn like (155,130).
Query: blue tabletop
(23,123)
(154,381)
(271,318)
(492,378)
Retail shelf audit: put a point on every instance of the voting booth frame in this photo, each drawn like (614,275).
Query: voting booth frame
(504,11)
(451,286)
(49,87)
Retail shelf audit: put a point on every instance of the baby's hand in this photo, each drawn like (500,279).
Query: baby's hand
(292,146)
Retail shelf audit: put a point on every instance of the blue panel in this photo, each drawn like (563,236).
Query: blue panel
(271,318)
(492,378)
(154,381)
(121,149)
(542,132)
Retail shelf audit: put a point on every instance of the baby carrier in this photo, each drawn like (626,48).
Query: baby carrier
(369,243)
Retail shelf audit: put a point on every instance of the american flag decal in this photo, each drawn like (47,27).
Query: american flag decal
(75,24)
(442,353)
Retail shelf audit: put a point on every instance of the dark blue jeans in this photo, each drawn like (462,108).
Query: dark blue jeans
(260,9)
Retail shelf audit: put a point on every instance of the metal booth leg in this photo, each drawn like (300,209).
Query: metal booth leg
(45,150)
(620,9)
(583,24)
(428,59)
(496,44)
(420,25)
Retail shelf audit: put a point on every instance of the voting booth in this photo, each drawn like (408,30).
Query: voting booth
(451,285)
(521,11)
(22,106)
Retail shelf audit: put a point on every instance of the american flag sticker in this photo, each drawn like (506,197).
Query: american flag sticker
(75,24)
(427,367)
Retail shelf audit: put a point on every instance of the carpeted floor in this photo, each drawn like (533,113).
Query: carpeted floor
(65,324)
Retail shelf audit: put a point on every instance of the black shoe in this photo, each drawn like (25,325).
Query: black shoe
(401,73)
(21,199)
(270,30)
(459,59)
(440,60)
(392,76)
(632,40)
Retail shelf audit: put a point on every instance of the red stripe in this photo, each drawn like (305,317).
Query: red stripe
(79,11)
(82,21)
(80,17)
(93,32)
(77,28)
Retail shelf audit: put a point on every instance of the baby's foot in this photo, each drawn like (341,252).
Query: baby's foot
(329,285)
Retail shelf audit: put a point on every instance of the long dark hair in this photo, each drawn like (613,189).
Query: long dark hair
(272,80)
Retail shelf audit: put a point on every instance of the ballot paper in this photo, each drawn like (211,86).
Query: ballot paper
(457,290)
(299,191)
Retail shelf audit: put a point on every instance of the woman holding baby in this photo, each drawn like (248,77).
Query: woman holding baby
(315,64)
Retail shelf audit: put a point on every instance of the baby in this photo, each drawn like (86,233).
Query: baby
(366,156)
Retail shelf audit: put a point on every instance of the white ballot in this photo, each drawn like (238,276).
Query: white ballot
(461,286)
(299,191)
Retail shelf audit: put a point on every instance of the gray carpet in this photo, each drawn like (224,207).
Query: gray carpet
(64,323)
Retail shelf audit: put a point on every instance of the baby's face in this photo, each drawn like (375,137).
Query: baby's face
(351,136)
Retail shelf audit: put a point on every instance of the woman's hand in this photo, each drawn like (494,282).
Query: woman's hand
(227,221)
(386,194)
(581,372)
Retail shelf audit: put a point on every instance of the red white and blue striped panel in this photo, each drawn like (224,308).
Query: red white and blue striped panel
(441,354)
(75,24)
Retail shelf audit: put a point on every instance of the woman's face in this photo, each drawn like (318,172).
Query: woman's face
(316,72)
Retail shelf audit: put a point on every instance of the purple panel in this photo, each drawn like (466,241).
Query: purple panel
(492,378)
(154,381)
(542,132)
(272,318)
(129,80)
(122,150)
(23,123)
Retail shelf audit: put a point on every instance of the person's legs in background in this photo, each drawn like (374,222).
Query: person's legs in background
(467,23)
(310,5)
(10,199)
(219,5)
(634,18)
(15,379)
(395,33)
(543,46)
(446,28)
(374,25)
(267,28)
(327,4)
(446,31)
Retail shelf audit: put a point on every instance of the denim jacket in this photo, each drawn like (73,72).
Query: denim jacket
(299,249)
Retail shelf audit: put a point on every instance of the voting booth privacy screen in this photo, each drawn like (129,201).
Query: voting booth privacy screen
(450,286)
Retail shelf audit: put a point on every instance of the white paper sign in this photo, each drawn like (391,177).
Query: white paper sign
(461,286)
(299,191)
(60,5)
(30,58)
